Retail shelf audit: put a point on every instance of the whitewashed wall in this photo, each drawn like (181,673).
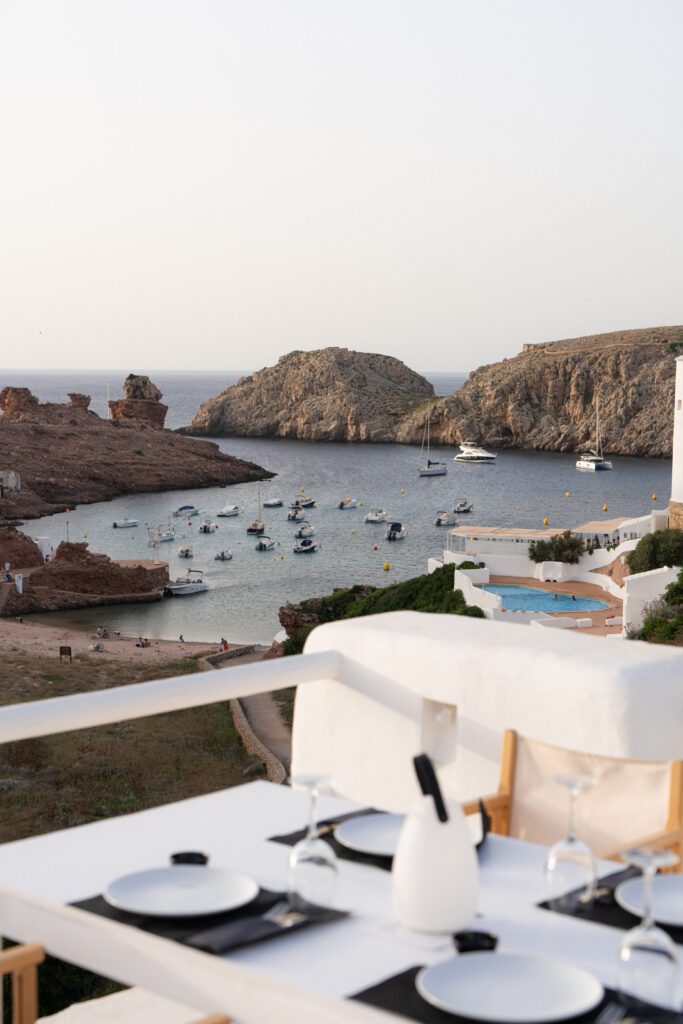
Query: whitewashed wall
(641,589)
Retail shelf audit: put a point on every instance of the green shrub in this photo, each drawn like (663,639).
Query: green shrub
(564,547)
(468,565)
(654,550)
(673,595)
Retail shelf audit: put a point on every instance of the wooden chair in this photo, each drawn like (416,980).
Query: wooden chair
(634,803)
(21,962)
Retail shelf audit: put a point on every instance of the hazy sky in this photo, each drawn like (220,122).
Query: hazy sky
(207,184)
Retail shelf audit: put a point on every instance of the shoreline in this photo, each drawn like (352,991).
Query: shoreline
(40,639)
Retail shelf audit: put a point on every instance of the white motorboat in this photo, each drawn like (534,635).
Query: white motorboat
(305,547)
(264,543)
(183,585)
(185,551)
(376,515)
(295,513)
(304,529)
(223,556)
(160,534)
(592,459)
(463,506)
(470,451)
(396,532)
(258,526)
(429,467)
(273,503)
(347,503)
(229,510)
(303,501)
(444,519)
(186,510)
(207,525)
(121,524)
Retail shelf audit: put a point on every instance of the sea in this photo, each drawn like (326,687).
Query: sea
(521,489)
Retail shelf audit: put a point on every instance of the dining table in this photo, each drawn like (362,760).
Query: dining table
(51,886)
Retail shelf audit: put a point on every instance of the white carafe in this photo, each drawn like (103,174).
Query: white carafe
(435,871)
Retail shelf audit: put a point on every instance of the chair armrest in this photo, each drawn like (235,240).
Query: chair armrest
(671,840)
(17,958)
(498,808)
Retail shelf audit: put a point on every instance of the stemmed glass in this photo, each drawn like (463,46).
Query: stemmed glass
(649,970)
(570,865)
(312,868)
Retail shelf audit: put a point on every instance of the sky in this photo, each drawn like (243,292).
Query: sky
(209,184)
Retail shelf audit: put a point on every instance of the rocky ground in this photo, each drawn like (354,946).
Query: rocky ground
(542,398)
(67,455)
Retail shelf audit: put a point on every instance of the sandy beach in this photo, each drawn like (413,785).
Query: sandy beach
(42,639)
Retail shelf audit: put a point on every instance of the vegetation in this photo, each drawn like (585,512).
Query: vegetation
(468,565)
(432,593)
(654,550)
(565,547)
(664,618)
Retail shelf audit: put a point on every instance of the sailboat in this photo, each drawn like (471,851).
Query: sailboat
(592,459)
(257,526)
(429,468)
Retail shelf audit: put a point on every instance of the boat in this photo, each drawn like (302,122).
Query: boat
(258,525)
(346,503)
(302,501)
(185,551)
(207,525)
(186,510)
(470,451)
(223,556)
(305,547)
(463,506)
(430,467)
(265,543)
(295,513)
(229,510)
(304,529)
(273,502)
(376,515)
(396,532)
(121,524)
(592,458)
(159,534)
(183,585)
(444,519)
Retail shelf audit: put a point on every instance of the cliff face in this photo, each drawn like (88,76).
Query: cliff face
(542,398)
(331,394)
(67,455)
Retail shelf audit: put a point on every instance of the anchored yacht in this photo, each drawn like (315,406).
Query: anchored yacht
(472,452)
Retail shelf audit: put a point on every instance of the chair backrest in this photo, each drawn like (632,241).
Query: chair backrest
(630,799)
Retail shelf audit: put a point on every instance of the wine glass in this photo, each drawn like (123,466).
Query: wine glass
(312,867)
(649,969)
(570,865)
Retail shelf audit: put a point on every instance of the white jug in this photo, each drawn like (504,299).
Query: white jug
(435,871)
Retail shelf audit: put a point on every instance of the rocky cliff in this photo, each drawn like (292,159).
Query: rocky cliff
(66,454)
(331,394)
(542,398)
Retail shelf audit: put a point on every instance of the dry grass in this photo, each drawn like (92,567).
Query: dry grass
(58,781)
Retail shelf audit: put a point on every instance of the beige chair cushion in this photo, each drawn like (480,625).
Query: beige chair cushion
(132,1006)
(630,799)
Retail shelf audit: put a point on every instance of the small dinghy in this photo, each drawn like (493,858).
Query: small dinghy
(273,502)
(223,556)
(229,510)
(121,524)
(207,525)
(396,532)
(265,543)
(185,551)
(305,547)
(347,503)
(186,510)
(304,529)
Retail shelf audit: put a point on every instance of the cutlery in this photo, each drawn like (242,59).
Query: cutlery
(612,1013)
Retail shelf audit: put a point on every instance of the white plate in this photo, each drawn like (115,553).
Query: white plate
(667,898)
(509,988)
(378,833)
(182,890)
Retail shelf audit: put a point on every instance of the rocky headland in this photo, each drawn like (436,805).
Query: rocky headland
(65,455)
(543,398)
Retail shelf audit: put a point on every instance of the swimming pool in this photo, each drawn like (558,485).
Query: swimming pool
(529,599)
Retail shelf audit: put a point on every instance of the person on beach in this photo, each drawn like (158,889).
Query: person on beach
(181,639)
(225,646)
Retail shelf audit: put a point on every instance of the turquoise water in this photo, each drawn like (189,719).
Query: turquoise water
(529,599)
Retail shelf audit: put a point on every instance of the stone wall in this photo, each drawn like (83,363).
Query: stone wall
(676,515)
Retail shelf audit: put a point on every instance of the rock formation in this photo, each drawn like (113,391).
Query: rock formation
(542,398)
(331,394)
(67,455)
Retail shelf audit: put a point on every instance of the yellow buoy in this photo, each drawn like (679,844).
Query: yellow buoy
(519,507)
(85,534)
(387,566)
(545,522)
(348,515)
(303,489)
(567,495)
(403,490)
(604,508)
(282,556)
(353,531)
(360,503)
(654,497)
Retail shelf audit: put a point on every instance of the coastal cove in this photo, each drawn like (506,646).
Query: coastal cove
(245,593)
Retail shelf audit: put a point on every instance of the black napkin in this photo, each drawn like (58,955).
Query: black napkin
(605,909)
(399,995)
(215,933)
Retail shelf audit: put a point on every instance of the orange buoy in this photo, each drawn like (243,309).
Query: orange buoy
(654,497)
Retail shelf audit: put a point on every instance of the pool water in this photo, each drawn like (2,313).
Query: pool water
(529,599)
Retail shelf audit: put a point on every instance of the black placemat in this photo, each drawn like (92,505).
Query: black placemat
(217,933)
(606,910)
(398,995)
